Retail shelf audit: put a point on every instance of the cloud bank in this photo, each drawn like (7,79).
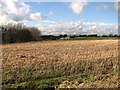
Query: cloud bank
(80,27)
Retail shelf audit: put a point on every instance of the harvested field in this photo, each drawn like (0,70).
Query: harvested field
(61,64)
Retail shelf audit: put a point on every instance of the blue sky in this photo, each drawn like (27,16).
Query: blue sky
(62,12)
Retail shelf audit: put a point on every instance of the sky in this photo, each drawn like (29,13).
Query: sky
(61,11)
(54,18)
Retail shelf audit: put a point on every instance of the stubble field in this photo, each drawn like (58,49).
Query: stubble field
(61,64)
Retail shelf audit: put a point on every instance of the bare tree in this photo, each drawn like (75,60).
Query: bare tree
(12,33)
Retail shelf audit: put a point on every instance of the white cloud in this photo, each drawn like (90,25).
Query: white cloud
(80,27)
(102,7)
(47,21)
(16,11)
(36,16)
(24,9)
(9,6)
(77,7)
(13,10)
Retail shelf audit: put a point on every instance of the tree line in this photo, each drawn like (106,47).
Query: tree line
(65,36)
(13,33)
